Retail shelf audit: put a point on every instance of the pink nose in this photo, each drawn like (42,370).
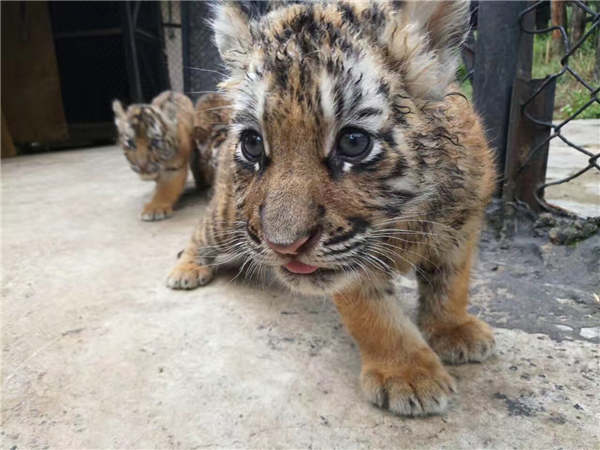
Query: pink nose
(288,249)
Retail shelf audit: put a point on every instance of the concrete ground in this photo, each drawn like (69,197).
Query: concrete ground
(98,353)
(582,194)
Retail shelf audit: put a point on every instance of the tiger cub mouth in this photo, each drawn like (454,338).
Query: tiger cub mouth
(299,268)
(305,270)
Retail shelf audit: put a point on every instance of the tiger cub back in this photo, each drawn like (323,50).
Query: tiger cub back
(211,121)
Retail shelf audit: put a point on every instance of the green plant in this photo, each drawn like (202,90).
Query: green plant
(577,99)
(570,93)
(466,86)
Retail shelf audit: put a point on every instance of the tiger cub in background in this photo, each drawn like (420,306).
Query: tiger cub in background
(211,121)
(157,139)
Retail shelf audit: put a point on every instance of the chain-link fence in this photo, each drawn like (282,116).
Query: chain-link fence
(171,22)
(531,92)
(571,45)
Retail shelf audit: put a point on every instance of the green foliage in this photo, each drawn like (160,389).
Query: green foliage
(576,100)
(466,86)
(570,94)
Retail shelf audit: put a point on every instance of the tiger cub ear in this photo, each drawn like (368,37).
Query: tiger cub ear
(231,26)
(446,23)
(425,40)
(117,108)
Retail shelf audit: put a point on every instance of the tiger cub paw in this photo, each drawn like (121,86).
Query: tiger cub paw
(189,276)
(152,212)
(417,387)
(472,341)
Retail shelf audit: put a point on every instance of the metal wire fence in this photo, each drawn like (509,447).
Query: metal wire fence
(522,113)
(171,22)
(557,128)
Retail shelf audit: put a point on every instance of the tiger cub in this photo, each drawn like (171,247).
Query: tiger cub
(349,159)
(157,139)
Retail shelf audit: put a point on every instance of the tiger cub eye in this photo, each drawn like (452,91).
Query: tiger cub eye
(252,145)
(353,143)
(129,144)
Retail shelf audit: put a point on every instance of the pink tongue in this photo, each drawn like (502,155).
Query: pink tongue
(300,268)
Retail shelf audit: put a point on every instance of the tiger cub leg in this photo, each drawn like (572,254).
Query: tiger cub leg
(169,187)
(193,267)
(400,372)
(455,335)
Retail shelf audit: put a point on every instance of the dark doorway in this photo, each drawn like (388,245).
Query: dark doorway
(106,50)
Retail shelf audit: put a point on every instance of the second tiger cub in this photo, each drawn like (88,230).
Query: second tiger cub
(157,139)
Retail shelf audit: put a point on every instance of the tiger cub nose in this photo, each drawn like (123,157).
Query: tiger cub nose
(296,247)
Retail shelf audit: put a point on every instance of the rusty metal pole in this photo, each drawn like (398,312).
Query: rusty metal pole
(497,55)
(528,141)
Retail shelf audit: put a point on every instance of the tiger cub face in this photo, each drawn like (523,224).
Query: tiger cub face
(147,136)
(335,137)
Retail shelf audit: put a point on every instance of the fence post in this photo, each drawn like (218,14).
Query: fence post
(527,142)
(185,48)
(164,80)
(497,53)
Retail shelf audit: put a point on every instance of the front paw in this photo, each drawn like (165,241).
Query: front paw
(417,386)
(472,341)
(189,276)
(152,212)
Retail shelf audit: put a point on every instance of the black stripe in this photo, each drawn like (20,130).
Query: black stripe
(403,195)
(368,112)
(348,14)
(252,234)
(338,98)
(387,136)
(359,225)
(356,99)
(244,118)
(383,88)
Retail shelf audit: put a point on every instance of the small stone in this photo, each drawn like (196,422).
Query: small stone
(590,333)
(563,327)
(569,233)
(545,220)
